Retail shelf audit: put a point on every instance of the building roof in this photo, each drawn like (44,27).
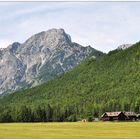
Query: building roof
(111,114)
(130,113)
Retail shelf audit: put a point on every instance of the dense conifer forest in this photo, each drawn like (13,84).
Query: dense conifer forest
(108,83)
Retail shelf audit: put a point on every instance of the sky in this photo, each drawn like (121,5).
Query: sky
(103,25)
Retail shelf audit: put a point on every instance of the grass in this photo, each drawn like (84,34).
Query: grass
(71,130)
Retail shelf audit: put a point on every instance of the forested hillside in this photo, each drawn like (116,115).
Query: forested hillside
(108,83)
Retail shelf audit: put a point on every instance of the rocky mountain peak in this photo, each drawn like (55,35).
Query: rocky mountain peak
(40,58)
(57,35)
(50,38)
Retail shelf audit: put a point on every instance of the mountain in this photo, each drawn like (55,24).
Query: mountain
(40,58)
(108,83)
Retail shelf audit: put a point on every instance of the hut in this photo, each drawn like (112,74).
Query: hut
(113,116)
(131,116)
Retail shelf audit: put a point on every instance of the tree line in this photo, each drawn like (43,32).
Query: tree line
(66,113)
(38,114)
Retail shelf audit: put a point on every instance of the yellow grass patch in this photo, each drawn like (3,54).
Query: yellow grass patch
(71,130)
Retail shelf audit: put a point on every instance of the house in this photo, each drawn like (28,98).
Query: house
(131,116)
(112,116)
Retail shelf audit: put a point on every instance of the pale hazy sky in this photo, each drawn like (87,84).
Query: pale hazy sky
(103,25)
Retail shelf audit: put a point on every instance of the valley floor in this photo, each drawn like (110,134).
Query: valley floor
(71,130)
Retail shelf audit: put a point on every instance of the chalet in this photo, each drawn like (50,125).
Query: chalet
(131,116)
(112,116)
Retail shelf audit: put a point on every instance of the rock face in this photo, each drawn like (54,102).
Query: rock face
(41,58)
(124,46)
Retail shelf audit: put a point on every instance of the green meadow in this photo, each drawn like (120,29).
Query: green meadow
(71,130)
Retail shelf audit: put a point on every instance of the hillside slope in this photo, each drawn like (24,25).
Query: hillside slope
(108,83)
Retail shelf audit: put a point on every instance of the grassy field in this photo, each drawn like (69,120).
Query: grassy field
(71,130)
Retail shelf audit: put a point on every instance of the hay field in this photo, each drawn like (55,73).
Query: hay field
(71,130)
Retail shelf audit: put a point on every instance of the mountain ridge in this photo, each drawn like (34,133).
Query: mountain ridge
(40,58)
